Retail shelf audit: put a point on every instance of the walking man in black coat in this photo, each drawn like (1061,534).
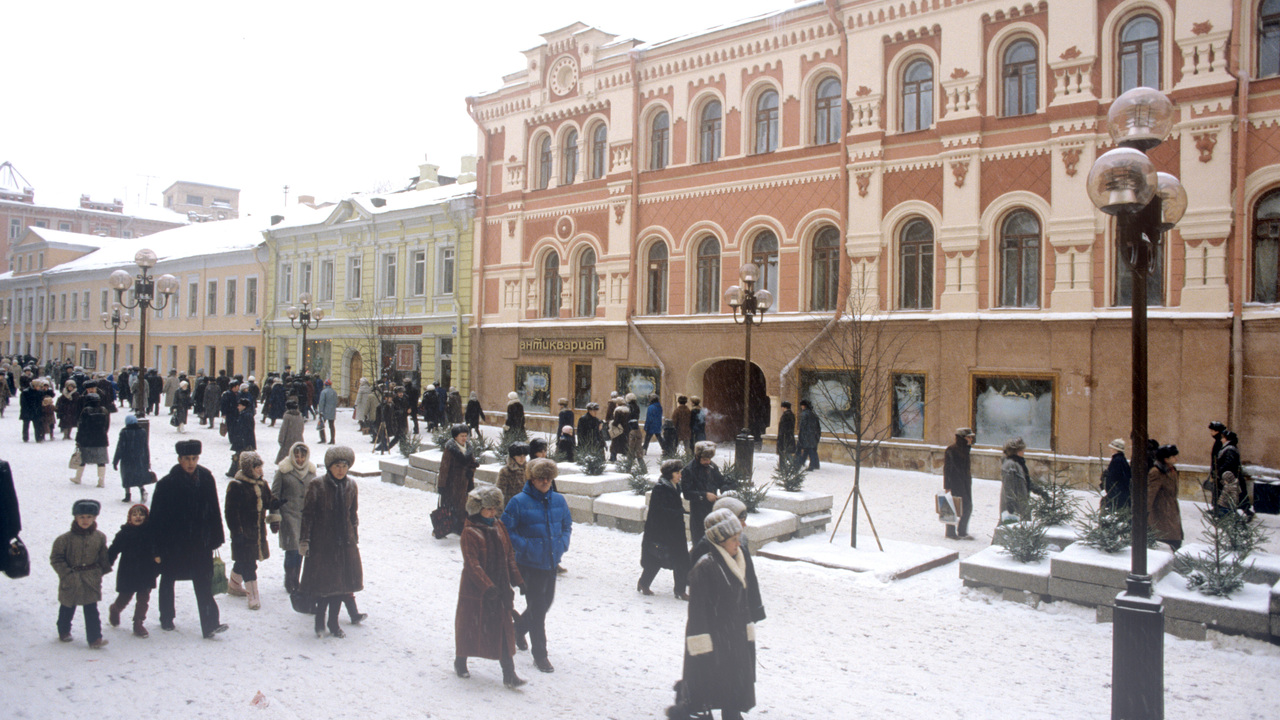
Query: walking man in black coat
(186,527)
(957,479)
(786,430)
(1118,481)
(810,434)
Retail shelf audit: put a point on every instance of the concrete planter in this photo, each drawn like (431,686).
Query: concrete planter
(428,460)
(623,511)
(765,526)
(1091,577)
(812,510)
(488,473)
(591,485)
(993,567)
(394,471)
(581,508)
(1247,612)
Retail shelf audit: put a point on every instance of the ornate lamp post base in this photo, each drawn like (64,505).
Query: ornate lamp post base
(1137,653)
(744,448)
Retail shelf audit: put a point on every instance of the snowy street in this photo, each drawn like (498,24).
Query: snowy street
(835,644)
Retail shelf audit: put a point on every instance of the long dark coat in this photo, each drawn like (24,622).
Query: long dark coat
(787,432)
(1164,517)
(457,475)
(10,516)
(240,430)
(133,457)
(29,403)
(810,430)
(276,404)
(720,648)
(483,625)
(515,415)
(696,480)
(957,472)
(474,413)
(136,571)
(211,397)
(68,408)
(181,405)
(291,428)
(290,488)
(248,508)
(92,429)
(185,522)
(755,604)
(589,428)
(663,544)
(682,418)
(1117,483)
(453,406)
(330,529)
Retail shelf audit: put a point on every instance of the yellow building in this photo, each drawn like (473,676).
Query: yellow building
(383,270)
(55,310)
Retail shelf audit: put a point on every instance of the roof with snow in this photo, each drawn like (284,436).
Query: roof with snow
(361,206)
(214,238)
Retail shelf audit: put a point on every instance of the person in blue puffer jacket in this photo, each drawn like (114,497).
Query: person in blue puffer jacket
(539,524)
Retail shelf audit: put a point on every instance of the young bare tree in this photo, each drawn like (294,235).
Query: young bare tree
(856,392)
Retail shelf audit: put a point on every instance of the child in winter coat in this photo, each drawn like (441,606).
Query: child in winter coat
(249,508)
(133,458)
(48,417)
(79,557)
(137,569)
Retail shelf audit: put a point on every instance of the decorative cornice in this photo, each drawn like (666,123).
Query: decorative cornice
(789,181)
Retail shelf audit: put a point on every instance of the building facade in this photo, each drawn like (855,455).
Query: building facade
(201,202)
(212,323)
(921,165)
(384,269)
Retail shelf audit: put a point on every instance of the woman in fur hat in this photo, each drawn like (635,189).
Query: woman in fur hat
(663,544)
(456,479)
(483,624)
(515,413)
(181,406)
(1164,517)
(720,648)
(91,440)
(1016,484)
(293,475)
(291,428)
(67,408)
(329,540)
(249,509)
(619,432)
(511,477)
(133,458)
(701,486)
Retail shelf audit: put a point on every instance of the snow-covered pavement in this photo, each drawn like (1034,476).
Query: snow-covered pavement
(835,644)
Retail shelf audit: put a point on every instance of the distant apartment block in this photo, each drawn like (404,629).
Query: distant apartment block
(201,202)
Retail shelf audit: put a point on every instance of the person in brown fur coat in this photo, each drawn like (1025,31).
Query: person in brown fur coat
(484,625)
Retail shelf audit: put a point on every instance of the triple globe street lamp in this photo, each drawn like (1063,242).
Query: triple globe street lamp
(752,305)
(115,320)
(304,317)
(1124,183)
(145,289)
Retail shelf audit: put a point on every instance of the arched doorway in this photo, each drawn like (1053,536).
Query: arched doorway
(355,371)
(722,398)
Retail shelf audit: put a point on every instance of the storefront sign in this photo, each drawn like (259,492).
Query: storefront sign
(562,346)
(399,329)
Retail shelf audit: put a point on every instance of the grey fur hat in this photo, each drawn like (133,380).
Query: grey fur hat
(669,468)
(248,460)
(86,507)
(732,504)
(1014,445)
(484,496)
(721,525)
(339,453)
(542,469)
(704,449)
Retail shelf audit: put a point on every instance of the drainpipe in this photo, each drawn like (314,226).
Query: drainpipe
(845,269)
(635,218)
(477,253)
(1236,261)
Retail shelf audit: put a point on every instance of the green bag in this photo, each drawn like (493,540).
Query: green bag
(219,575)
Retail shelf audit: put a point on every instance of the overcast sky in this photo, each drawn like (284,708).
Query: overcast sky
(119,99)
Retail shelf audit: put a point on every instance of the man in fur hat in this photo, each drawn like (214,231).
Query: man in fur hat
(701,483)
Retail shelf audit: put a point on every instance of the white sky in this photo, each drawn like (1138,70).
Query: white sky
(119,99)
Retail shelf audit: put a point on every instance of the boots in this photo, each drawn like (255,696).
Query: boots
(251,587)
(139,615)
(79,474)
(460,667)
(321,606)
(102,476)
(509,677)
(113,613)
(142,493)
(291,579)
(235,586)
(335,604)
(350,602)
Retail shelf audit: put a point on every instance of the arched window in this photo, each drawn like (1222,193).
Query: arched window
(656,275)
(826,113)
(1268,38)
(1020,260)
(1140,53)
(764,255)
(659,134)
(569,159)
(551,285)
(588,283)
(915,266)
(826,269)
(767,122)
(709,128)
(1155,279)
(917,96)
(599,151)
(708,283)
(1266,247)
(1020,74)
(544,162)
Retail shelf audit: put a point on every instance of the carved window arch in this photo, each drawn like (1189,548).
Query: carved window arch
(917,96)
(826,116)
(1266,247)
(766,121)
(656,279)
(1020,246)
(825,269)
(708,279)
(915,265)
(1139,53)
(710,131)
(1020,78)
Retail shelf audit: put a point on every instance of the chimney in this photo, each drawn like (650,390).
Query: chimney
(468,172)
(378,202)
(428,175)
(308,200)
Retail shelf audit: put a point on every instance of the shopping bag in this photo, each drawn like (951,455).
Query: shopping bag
(76,463)
(947,509)
(222,429)
(18,562)
(219,576)
(303,602)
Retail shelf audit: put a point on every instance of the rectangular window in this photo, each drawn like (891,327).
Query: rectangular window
(231,296)
(103,299)
(304,278)
(908,406)
(389,275)
(175,302)
(419,261)
(62,310)
(191,361)
(75,309)
(1010,407)
(84,307)
(354,270)
(533,384)
(127,234)
(64,226)
(89,359)
(211,301)
(833,395)
(642,381)
(40,260)
(251,360)
(40,309)
(15,228)
(286,283)
(42,223)
(446,271)
(231,361)
(326,280)
(193,299)
(195,200)
(251,296)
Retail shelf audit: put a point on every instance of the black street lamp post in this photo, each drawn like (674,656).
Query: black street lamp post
(115,320)
(304,317)
(752,305)
(145,288)
(1124,183)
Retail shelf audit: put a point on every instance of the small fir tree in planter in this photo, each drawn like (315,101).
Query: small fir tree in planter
(510,436)
(1025,541)
(479,445)
(741,487)
(790,473)
(440,435)
(638,474)
(591,460)
(410,445)
(1109,530)
(1220,570)
(1060,505)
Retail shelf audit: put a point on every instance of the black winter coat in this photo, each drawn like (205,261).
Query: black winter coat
(240,430)
(663,544)
(957,473)
(92,430)
(133,457)
(810,430)
(136,571)
(474,413)
(330,532)
(786,432)
(248,508)
(10,518)
(1117,483)
(181,406)
(515,415)
(279,397)
(720,648)
(29,404)
(185,522)
(589,432)
(755,605)
(696,480)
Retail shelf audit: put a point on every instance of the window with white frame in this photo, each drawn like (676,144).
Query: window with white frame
(193,299)
(62,307)
(231,296)
(286,283)
(304,277)
(659,140)
(917,96)
(355,267)
(418,259)
(766,122)
(1019,74)
(1139,64)
(710,124)
(211,301)
(103,298)
(84,306)
(389,275)
(447,270)
(826,126)
(326,279)
(15,228)
(1268,38)
(600,149)
(251,296)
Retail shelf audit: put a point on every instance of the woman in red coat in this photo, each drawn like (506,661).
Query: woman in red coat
(484,625)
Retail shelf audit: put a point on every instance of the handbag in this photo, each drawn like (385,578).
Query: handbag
(303,602)
(76,463)
(320,425)
(151,477)
(222,428)
(18,562)
(219,575)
